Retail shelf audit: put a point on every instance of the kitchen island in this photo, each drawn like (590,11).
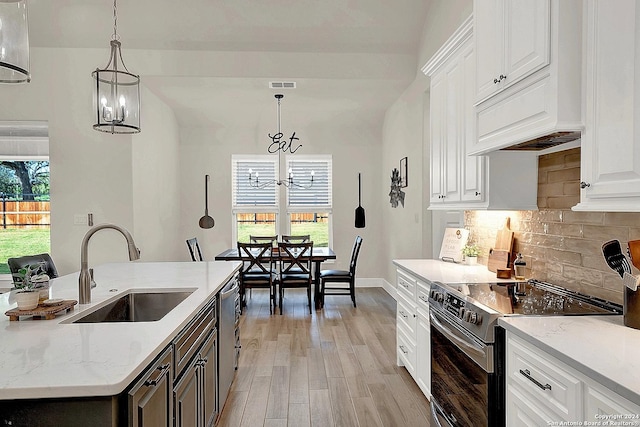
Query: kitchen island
(59,359)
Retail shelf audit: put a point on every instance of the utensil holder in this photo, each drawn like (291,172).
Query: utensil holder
(631,308)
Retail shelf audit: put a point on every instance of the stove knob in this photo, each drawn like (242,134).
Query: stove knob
(466,316)
(474,319)
(439,296)
(462,312)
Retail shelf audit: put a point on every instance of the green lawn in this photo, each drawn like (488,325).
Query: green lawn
(318,231)
(15,242)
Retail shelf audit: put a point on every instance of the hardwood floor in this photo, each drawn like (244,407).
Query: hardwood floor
(335,367)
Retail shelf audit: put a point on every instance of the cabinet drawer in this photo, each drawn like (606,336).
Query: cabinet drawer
(406,285)
(406,317)
(422,290)
(544,379)
(186,344)
(406,352)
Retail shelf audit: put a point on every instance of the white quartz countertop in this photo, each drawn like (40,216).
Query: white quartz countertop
(56,358)
(600,347)
(435,270)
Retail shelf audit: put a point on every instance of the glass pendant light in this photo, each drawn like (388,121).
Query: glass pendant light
(117,94)
(14,42)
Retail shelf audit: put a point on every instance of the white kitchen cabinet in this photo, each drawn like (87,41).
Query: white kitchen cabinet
(528,59)
(610,153)
(512,42)
(502,180)
(456,179)
(541,388)
(413,329)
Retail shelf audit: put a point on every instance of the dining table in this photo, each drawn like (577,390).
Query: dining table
(318,256)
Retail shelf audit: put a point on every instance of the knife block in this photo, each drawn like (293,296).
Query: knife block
(631,308)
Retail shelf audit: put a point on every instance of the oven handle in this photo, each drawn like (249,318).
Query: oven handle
(462,343)
(436,410)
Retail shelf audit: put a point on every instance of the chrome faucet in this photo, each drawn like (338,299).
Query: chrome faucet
(84,282)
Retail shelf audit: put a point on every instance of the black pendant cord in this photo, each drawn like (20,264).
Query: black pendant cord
(359,191)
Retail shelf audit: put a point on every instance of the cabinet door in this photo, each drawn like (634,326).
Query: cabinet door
(437,143)
(611,139)
(488,16)
(150,400)
(208,366)
(423,353)
(601,401)
(521,411)
(186,396)
(527,38)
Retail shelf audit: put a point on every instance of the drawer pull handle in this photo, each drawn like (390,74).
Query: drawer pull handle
(404,350)
(423,298)
(402,313)
(154,382)
(527,375)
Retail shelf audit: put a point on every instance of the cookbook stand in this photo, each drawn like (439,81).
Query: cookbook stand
(452,243)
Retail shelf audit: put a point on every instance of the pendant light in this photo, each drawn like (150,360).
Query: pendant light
(117,95)
(14,42)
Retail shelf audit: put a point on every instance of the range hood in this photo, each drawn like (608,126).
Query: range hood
(544,142)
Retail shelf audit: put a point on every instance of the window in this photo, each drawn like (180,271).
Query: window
(255,210)
(309,209)
(258,211)
(24,191)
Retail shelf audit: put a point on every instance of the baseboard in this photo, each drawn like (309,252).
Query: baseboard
(376,283)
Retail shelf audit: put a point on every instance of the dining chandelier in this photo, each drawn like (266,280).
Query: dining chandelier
(14,42)
(280,145)
(117,91)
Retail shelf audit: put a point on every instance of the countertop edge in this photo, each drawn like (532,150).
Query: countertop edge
(572,362)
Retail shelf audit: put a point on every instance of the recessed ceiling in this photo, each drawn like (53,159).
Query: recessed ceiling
(383,33)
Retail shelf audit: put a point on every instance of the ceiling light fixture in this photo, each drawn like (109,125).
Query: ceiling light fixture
(279,145)
(14,42)
(117,96)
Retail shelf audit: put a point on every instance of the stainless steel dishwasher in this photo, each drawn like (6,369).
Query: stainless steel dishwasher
(227,338)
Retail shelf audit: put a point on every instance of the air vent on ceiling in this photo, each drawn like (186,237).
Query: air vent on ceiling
(282,85)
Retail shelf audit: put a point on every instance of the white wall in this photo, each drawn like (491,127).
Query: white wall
(90,171)
(156,182)
(357,149)
(407,231)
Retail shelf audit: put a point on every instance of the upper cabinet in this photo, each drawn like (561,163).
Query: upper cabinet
(512,41)
(457,180)
(610,154)
(528,61)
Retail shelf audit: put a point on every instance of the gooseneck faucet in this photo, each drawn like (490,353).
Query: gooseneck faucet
(84,282)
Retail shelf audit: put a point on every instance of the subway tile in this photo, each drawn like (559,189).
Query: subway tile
(562,175)
(551,189)
(571,188)
(583,246)
(622,218)
(562,202)
(605,233)
(596,261)
(582,274)
(547,241)
(579,217)
(550,215)
(566,257)
(551,161)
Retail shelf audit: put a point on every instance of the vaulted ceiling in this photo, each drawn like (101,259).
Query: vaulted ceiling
(351,59)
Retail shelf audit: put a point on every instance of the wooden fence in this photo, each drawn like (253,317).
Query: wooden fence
(18,213)
(270,217)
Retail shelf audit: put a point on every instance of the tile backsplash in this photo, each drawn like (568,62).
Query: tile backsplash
(559,245)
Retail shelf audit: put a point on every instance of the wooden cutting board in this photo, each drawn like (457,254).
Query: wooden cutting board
(634,252)
(504,238)
(498,259)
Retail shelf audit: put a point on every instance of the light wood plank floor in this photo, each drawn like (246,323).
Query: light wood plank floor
(335,367)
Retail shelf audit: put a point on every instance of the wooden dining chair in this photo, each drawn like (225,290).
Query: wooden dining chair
(264,239)
(194,249)
(302,238)
(257,271)
(295,268)
(342,282)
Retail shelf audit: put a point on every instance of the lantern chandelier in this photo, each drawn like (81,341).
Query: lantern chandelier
(14,42)
(117,95)
(278,144)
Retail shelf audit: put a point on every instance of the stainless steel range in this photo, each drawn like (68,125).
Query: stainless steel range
(467,349)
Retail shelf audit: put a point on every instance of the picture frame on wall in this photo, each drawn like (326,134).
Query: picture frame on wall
(404,172)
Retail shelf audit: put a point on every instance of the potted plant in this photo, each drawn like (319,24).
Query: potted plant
(27,295)
(470,252)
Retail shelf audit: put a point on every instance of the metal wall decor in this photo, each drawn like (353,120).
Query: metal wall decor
(280,145)
(396,194)
(117,94)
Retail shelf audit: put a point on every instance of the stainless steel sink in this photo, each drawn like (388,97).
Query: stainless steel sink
(137,306)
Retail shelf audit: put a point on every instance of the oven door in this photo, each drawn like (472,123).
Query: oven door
(462,379)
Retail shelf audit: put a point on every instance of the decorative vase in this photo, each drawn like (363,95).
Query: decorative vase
(471,260)
(27,300)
